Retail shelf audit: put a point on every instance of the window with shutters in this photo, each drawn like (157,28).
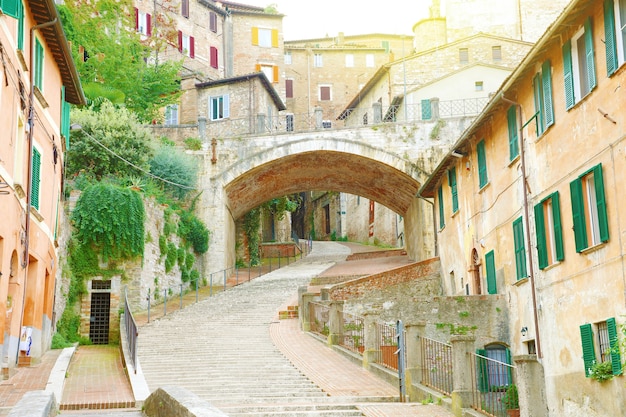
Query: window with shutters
(453,190)
(601,344)
(271,72)
(490,272)
(318,62)
(186,44)
(143,23)
(265,38)
(184,8)
(213,22)
(589,209)
(442,220)
(219,107)
(39,64)
(463,56)
(614,34)
(511,116)
(482,164)
(289,88)
(325,93)
(495,373)
(579,65)
(549,231)
(520,249)
(171,115)
(542,90)
(349,60)
(369,61)
(35,179)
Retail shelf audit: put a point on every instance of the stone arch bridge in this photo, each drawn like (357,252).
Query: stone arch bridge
(386,163)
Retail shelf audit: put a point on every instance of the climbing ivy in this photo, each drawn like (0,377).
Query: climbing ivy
(251,225)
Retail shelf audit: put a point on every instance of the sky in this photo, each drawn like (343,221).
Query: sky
(316,19)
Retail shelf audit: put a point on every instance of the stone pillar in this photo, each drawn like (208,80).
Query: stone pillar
(377,109)
(319,118)
(434,108)
(530,386)
(414,356)
(260,123)
(304,312)
(202,133)
(462,347)
(370,345)
(335,323)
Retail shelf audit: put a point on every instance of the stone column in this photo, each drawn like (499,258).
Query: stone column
(335,323)
(414,356)
(202,133)
(319,118)
(530,386)
(304,311)
(370,345)
(377,109)
(462,347)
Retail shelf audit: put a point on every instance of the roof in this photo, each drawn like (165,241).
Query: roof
(553,34)
(242,78)
(45,11)
(353,37)
(246,9)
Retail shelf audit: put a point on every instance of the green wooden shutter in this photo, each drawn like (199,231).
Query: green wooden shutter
(453,189)
(578,214)
(546,81)
(509,361)
(520,250)
(482,372)
(589,353)
(616,360)
(591,66)
(442,221)
(426,110)
(568,75)
(490,267)
(603,221)
(20,25)
(540,226)
(538,95)
(609,37)
(558,229)
(39,60)
(482,163)
(35,179)
(11,7)
(513,142)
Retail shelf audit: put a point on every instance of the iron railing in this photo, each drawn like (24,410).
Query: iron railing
(386,346)
(131,332)
(491,379)
(437,365)
(319,318)
(353,333)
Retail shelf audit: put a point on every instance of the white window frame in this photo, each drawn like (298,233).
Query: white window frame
(288,58)
(142,23)
(318,60)
(186,44)
(268,70)
(171,115)
(620,31)
(369,61)
(265,37)
(223,103)
(591,209)
(349,60)
(577,72)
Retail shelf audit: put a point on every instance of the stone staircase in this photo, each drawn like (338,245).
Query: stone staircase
(221,350)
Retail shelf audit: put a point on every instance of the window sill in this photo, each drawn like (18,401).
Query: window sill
(521,282)
(455,214)
(593,248)
(514,160)
(582,99)
(551,266)
(36,213)
(481,189)
(41,98)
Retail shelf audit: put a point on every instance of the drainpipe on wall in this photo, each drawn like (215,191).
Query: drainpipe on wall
(527,221)
(31,128)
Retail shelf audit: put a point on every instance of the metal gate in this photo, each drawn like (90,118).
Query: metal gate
(99,319)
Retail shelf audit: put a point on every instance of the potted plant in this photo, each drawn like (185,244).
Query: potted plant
(510,400)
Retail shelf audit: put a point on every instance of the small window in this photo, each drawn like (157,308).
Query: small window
(219,107)
(213,22)
(327,124)
(288,58)
(325,93)
(143,23)
(317,61)
(186,44)
(289,88)
(496,53)
(579,66)
(463,56)
(171,115)
(478,86)
(270,71)
(520,249)
(369,61)
(542,90)
(589,209)
(349,60)
(549,231)
(265,38)
(442,221)
(289,122)
(605,343)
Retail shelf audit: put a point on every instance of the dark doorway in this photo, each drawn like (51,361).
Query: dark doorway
(99,320)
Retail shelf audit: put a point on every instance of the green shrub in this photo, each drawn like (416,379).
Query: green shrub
(172,254)
(193,230)
(194,276)
(181,256)
(178,169)
(193,144)
(189,261)
(163,245)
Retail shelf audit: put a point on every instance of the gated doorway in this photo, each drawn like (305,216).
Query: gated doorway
(100,312)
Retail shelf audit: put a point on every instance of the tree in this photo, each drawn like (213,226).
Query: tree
(113,60)
(110,141)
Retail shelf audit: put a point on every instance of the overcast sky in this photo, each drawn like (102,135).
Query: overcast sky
(315,19)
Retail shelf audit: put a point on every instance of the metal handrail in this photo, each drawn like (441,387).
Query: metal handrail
(131,331)
(437,369)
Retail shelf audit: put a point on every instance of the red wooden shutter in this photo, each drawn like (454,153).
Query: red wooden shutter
(136,18)
(191,47)
(180,41)
(289,88)
(214,61)
(149,24)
